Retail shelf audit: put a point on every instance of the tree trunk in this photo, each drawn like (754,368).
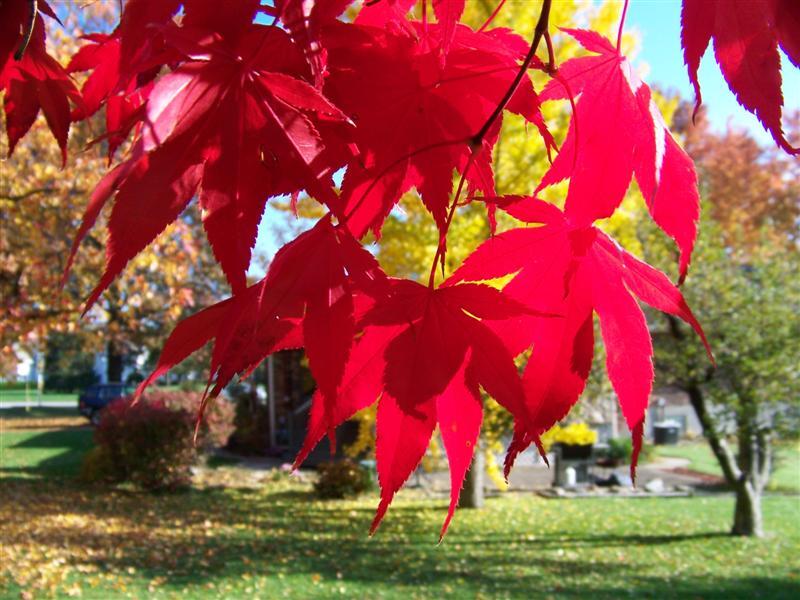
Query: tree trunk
(719,446)
(747,514)
(114,363)
(472,492)
(747,473)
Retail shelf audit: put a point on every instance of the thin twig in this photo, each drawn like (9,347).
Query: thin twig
(492,16)
(621,25)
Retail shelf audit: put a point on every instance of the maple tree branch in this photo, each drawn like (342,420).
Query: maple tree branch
(541,27)
(34,192)
(28,194)
(27,34)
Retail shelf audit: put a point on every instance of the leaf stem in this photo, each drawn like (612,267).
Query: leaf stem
(443,234)
(27,34)
(491,16)
(621,25)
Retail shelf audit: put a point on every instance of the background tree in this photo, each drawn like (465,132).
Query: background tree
(744,289)
(751,190)
(41,206)
(749,303)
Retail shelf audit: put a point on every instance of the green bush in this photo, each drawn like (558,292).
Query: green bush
(621,450)
(146,443)
(342,479)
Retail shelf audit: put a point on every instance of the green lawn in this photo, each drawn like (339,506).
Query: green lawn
(787,472)
(58,538)
(55,453)
(47,397)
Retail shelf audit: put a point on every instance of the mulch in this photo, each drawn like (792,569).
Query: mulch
(705,478)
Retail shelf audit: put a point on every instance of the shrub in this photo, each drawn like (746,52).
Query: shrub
(147,443)
(218,418)
(620,449)
(98,466)
(342,479)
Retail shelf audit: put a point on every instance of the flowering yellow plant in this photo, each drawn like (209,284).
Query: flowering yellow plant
(575,434)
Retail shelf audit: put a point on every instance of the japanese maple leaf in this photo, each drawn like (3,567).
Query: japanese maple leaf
(425,353)
(746,34)
(415,115)
(123,99)
(391,15)
(617,132)
(305,22)
(35,80)
(139,32)
(448,12)
(308,299)
(236,121)
(575,270)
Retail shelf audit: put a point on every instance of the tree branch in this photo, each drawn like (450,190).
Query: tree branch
(541,28)
(34,192)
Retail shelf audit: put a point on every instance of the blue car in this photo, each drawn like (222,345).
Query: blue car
(96,397)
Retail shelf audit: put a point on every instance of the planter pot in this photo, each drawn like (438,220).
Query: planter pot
(576,452)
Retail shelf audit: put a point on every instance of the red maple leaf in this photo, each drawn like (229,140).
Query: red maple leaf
(124,101)
(617,132)
(425,352)
(305,22)
(32,79)
(746,34)
(448,13)
(235,120)
(572,269)
(415,115)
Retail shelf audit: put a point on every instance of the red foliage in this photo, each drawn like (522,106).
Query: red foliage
(220,106)
(747,35)
(30,77)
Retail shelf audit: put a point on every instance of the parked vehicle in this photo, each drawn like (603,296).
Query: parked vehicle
(96,397)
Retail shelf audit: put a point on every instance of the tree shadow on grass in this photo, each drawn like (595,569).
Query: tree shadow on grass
(57,453)
(210,535)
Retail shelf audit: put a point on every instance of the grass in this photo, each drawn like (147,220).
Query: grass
(47,397)
(55,453)
(786,476)
(58,538)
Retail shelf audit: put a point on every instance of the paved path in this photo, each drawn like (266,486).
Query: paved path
(33,404)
